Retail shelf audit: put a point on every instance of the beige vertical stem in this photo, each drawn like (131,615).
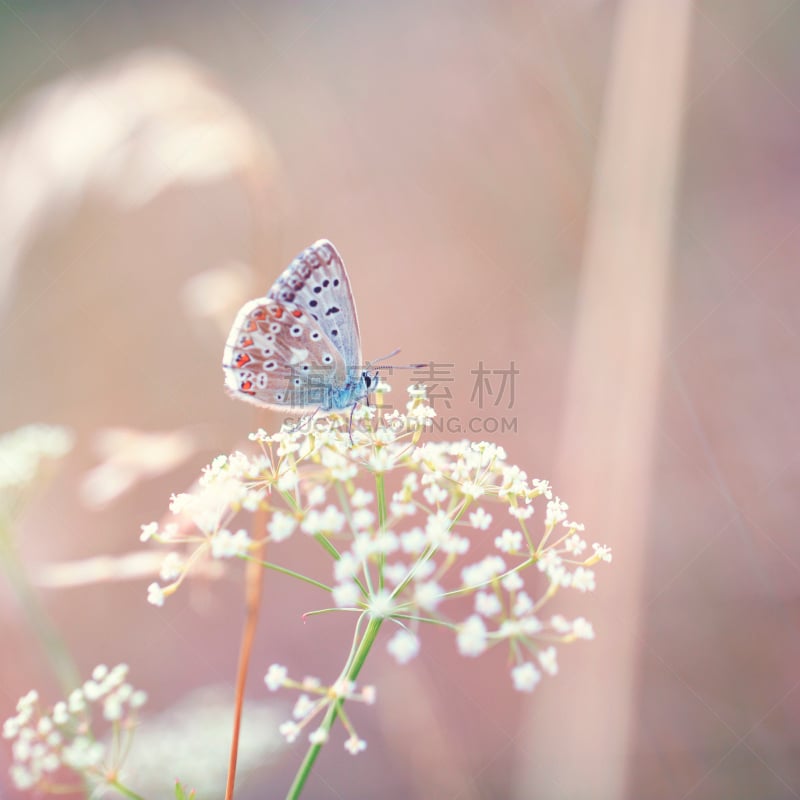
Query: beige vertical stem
(578,740)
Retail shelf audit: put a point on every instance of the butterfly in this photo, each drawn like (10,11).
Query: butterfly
(299,347)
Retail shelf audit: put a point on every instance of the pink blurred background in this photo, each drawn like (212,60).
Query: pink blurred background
(449,150)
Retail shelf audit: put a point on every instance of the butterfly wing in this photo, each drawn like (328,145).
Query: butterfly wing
(316,281)
(299,346)
(277,356)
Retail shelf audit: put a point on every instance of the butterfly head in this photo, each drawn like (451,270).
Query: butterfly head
(369,381)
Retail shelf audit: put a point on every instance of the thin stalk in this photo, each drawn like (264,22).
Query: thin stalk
(58,655)
(124,790)
(380,491)
(254,587)
(284,571)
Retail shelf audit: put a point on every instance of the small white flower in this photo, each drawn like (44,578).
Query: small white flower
(76,701)
(363,518)
(316,495)
(381,460)
(319,736)
(512,582)
(435,494)
(395,573)
(148,531)
(303,707)
(560,624)
(354,745)
(289,730)
(329,521)
(574,544)
(472,489)
(44,726)
(229,545)
(522,605)
(155,595)
(480,520)
(22,778)
(112,708)
(414,541)
(547,660)
(521,512)
(509,541)
(483,572)
(368,695)
(342,688)
(428,595)
(556,512)
(275,677)
(541,487)
(487,604)
(281,526)
(346,595)
(138,699)
(60,713)
(346,567)
(602,552)
(525,677)
(287,481)
(171,567)
(582,628)
(583,580)
(471,638)
(404,645)
(361,498)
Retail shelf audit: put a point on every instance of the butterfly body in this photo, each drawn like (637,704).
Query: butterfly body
(299,347)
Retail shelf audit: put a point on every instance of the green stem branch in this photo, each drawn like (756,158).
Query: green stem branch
(356,664)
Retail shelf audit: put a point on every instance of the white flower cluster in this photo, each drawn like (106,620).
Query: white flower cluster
(24,451)
(45,741)
(438,524)
(315,699)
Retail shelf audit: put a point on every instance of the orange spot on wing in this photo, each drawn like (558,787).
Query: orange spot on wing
(248,342)
(247,387)
(259,313)
(297,313)
(242,359)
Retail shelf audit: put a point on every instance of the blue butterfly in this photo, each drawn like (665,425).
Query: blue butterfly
(299,347)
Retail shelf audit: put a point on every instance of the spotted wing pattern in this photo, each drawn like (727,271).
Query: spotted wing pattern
(316,281)
(299,347)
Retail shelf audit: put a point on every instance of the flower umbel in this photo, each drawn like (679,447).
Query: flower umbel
(314,701)
(437,533)
(45,741)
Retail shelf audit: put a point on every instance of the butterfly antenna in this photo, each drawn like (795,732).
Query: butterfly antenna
(394,366)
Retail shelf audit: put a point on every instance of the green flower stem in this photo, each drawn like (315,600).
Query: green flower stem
(380,491)
(124,790)
(290,572)
(49,638)
(330,717)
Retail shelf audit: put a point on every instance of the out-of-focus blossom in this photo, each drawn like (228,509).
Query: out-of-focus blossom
(45,741)
(130,456)
(128,128)
(217,294)
(24,454)
(186,740)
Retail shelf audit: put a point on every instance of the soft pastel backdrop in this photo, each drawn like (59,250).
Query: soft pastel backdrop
(604,193)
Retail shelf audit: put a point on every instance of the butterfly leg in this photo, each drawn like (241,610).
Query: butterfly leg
(350,426)
(306,420)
